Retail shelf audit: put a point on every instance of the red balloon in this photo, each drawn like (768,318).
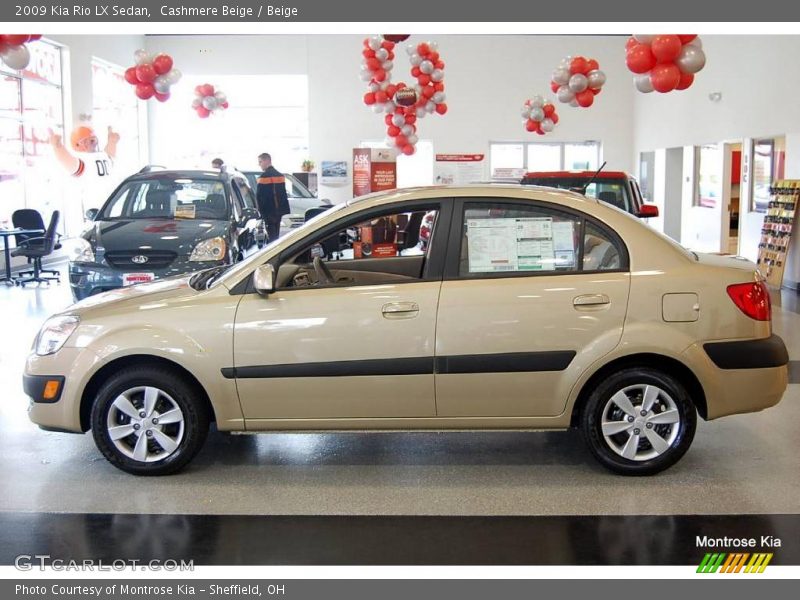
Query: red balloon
(203,112)
(595,91)
(225,105)
(396,37)
(423,49)
(162,63)
(685,39)
(368,53)
(391,90)
(145,91)
(35,36)
(415,72)
(411,119)
(441,108)
(198,90)
(379,75)
(686,80)
(388,119)
(532,125)
(393,131)
(130,75)
(408,149)
(401,141)
(424,79)
(16,39)
(592,65)
(433,57)
(585,98)
(207,89)
(631,42)
(439,87)
(373,64)
(369,98)
(640,59)
(579,65)
(666,48)
(540,131)
(391,55)
(665,77)
(146,73)
(387,44)
(554,118)
(549,109)
(439,64)
(381,97)
(554,86)
(162,97)
(428,91)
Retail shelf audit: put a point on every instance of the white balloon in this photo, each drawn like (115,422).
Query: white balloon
(209,102)
(696,42)
(547,124)
(437,75)
(426,67)
(377,108)
(16,57)
(197,102)
(596,79)
(561,76)
(382,54)
(643,83)
(433,46)
(691,59)
(643,38)
(578,83)
(415,59)
(387,66)
(411,48)
(439,97)
(537,114)
(141,56)
(421,112)
(430,106)
(174,76)
(537,101)
(407,130)
(365,75)
(374,87)
(221,97)
(398,120)
(389,107)
(565,94)
(412,139)
(161,84)
(525,112)
(375,42)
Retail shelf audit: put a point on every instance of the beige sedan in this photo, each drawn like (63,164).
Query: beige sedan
(524,308)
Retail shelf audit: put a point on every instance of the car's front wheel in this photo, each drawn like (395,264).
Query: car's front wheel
(149,421)
(639,421)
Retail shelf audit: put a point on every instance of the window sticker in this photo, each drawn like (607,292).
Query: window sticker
(516,244)
(185,211)
(564,243)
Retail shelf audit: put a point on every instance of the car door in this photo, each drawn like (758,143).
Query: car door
(361,346)
(533,295)
(246,231)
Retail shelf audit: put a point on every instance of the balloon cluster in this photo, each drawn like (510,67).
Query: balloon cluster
(152,75)
(403,103)
(577,80)
(208,100)
(664,62)
(539,115)
(13,50)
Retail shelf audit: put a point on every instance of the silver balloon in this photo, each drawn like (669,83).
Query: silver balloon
(221,97)
(377,108)
(433,46)
(547,125)
(696,42)
(537,114)
(437,75)
(197,103)
(426,67)
(525,112)
(411,48)
(643,83)
(565,94)
(174,76)
(161,84)
(578,83)
(430,106)
(374,87)
(375,42)
(415,59)
(574,103)
(141,56)
(389,141)
(537,102)
(365,75)
(389,107)
(407,130)
(382,54)
(691,59)
(412,139)
(596,79)
(398,120)
(561,76)
(387,66)
(16,57)
(209,103)
(421,113)
(643,39)
(439,97)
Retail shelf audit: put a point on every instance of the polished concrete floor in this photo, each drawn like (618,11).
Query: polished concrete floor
(742,464)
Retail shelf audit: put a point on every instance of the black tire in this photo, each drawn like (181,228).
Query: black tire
(672,397)
(190,432)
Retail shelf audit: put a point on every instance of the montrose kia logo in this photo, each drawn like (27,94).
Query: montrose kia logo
(734,563)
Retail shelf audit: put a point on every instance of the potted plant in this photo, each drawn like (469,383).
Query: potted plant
(308,165)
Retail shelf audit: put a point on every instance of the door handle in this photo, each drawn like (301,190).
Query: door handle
(591,300)
(400,310)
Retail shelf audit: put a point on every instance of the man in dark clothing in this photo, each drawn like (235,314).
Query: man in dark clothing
(271,196)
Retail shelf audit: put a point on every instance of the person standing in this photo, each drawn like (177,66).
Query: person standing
(271,196)
(217,163)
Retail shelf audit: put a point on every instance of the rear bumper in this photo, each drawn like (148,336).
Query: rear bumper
(748,354)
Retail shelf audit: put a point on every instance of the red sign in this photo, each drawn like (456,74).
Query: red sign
(374,170)
(361,172)
(459,157)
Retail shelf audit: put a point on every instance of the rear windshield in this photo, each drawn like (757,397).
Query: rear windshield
(611,191)
(168,199)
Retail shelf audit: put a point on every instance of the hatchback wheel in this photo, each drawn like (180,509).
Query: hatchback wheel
(148,421)
(639,421)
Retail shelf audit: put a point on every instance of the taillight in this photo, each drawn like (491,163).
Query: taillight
(752,299)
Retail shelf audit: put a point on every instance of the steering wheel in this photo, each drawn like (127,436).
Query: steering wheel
(324,274)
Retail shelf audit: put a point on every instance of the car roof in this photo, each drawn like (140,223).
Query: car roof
(186,174)
(578,174)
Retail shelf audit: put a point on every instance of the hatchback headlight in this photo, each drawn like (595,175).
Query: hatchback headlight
(213,249)
(82,251)
(55,333)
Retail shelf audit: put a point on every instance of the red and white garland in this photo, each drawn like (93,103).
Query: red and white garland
(664,63)
(539,115)
(577,80)
(402,103)
(208,100)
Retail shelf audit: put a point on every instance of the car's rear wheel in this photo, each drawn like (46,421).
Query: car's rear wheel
(639,421)
(149,421)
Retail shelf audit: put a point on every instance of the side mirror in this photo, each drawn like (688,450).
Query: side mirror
(647,210)
(92,213)
(264,279)
(247,215)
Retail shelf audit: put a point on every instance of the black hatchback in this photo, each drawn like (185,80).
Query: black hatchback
(162,223)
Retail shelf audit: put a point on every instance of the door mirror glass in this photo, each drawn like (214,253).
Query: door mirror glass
(264,279)
(92,213)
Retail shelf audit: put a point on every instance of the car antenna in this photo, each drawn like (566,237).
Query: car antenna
(591,180)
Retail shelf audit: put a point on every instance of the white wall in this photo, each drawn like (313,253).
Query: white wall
(487,80)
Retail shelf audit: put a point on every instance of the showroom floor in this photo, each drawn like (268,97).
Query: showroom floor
(740,464)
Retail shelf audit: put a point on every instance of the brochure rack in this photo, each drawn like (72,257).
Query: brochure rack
(776,233)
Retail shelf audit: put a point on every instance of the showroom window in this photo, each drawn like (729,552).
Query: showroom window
(513,159)
(266,113)
(769,158)
(31,103)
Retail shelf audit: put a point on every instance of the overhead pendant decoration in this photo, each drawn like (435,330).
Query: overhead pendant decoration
(539,115)
(152,75)
(402,103)
(208,100)
(577,80)
(664,63)
(14,50)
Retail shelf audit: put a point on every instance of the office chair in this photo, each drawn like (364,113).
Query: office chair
(28,218)
(35,248)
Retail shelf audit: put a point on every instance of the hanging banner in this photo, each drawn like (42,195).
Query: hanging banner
(374,170)
(459,169)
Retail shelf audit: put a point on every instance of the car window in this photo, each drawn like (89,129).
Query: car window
(600,251)
(295,189)
(248,198)
(507,238)
(610,191)
(182,198)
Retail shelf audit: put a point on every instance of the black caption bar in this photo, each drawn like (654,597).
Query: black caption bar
(165,11)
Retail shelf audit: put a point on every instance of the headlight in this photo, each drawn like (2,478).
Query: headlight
(82,251)
(213,249)
(54,334)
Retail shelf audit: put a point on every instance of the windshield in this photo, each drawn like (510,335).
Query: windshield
(611,191)
(168,199)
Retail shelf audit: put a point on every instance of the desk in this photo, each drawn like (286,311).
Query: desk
(5,234)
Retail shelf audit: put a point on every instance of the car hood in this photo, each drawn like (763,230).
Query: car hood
(176,235)
(141,295)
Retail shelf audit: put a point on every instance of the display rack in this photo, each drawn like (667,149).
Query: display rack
(776,233)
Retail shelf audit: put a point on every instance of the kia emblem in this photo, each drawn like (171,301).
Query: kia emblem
(139,259)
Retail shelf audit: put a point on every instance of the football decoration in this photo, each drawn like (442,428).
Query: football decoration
(403,104)
(664,63)
(152,76)
(208,100)
(14,50)
(577,80)
(539,115)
